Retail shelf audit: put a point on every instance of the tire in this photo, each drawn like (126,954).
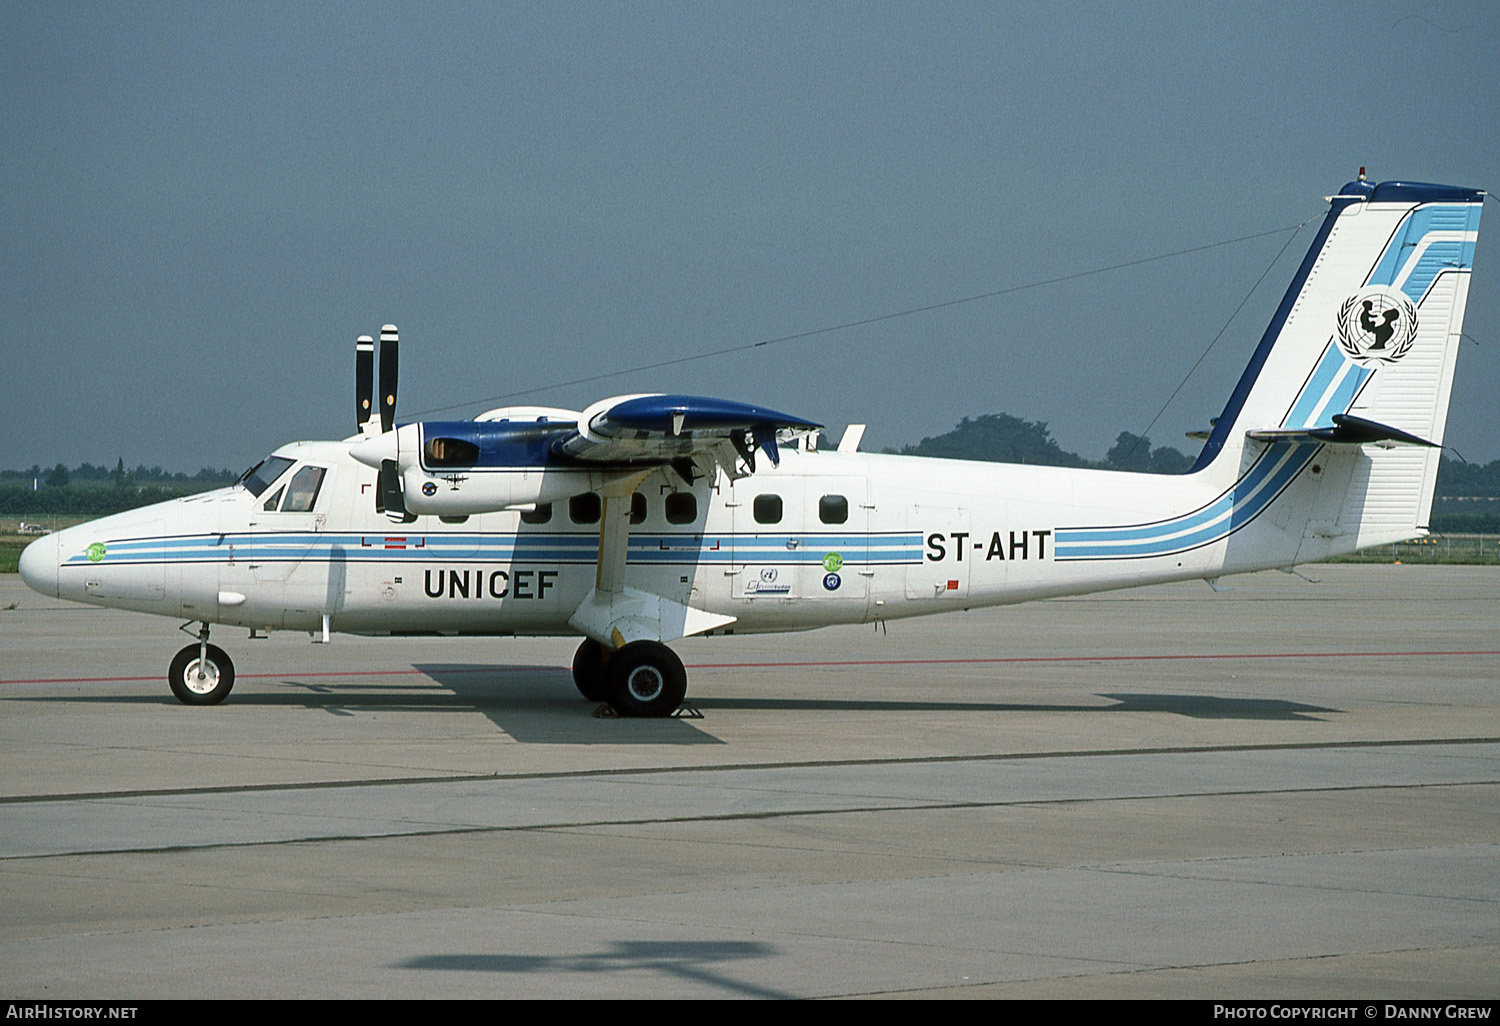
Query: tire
(646,679)
(591,670)
(183,676)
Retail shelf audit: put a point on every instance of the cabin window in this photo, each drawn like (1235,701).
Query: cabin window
(682,508)
(302,493)
(261,476)
(585,508)
(637,508)
(450,452)
(833,509)
(271,503)
(768,509)
(541,515)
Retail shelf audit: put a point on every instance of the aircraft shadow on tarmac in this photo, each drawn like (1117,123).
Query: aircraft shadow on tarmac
(1207,707)
(531,704)
(1216,707)
(687,960)
(539,705)
(496,690)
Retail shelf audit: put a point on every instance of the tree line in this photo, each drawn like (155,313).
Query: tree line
(60,476)
(1001,438)
(93,491)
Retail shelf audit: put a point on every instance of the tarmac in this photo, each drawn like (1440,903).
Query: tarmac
(1279,790)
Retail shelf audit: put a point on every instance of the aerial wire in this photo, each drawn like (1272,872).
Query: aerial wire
(1144,435)
(912,311)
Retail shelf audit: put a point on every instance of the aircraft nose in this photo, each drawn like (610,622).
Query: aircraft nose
(39,565)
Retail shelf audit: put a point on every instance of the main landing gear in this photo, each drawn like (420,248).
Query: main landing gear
(201,674)
(645,678)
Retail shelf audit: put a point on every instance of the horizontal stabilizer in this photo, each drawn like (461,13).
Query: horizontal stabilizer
(1346,430)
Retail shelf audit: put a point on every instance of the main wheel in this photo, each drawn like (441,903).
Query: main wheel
(646,679)
(205,688)
(591,670)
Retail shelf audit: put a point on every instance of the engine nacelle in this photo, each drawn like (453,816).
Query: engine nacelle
(461,468)
(462,492)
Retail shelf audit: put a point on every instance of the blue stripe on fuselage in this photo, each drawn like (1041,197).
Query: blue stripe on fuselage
(1242,503)
(675,549)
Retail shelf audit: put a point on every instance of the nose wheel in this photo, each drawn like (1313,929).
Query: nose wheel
(201,674)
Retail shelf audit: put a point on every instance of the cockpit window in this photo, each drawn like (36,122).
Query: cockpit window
(261,476)
(303,491)
(274,501)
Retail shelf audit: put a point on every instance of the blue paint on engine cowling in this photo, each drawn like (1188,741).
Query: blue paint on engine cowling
(496,443)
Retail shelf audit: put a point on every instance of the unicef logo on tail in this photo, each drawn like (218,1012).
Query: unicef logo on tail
(1377,324)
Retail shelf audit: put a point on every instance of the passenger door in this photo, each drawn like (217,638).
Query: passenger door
(767,539)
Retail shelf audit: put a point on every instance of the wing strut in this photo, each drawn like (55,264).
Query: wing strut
(614,533)
(615,615)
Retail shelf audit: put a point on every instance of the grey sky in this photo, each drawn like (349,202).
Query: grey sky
(205,203)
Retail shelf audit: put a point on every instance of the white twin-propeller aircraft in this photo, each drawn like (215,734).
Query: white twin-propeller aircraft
(648,518)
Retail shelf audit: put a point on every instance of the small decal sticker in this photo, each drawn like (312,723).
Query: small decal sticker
(832,582)
(95,552)
(833,562)
(766,581)
(429,488)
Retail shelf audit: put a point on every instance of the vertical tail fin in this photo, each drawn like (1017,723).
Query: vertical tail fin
(1360,358)
(1371,321)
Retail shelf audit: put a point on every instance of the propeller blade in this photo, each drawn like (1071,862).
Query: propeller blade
(390,499)
(388,343)
(364,381)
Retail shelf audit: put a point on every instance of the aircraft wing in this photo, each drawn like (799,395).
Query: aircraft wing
(652,429)
(663,428)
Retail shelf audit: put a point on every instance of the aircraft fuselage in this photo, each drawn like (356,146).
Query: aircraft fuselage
(826,538)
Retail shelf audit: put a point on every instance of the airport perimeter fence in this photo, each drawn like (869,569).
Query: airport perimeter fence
(1437,548)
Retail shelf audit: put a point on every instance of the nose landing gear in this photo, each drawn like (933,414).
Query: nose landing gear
(201,674)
